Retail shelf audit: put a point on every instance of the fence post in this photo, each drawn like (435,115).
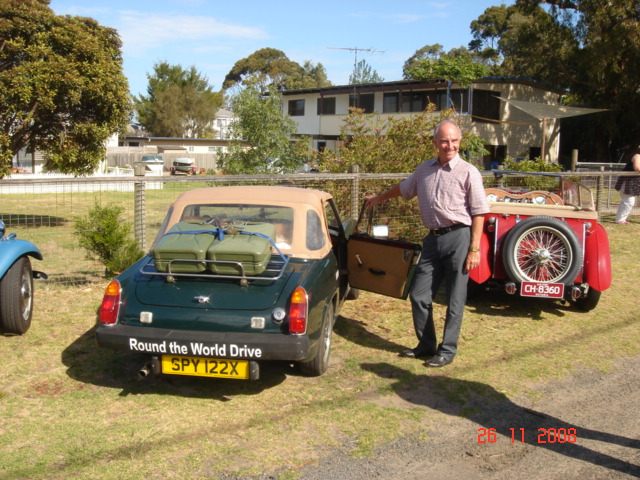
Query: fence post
(599,190)
(355,192)
(500,177)
(139,213)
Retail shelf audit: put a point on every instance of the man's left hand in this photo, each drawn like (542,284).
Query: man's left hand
(472,261)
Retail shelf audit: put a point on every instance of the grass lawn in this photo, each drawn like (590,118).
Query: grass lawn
(69,410)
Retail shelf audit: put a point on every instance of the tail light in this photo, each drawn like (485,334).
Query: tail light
(298,310)
(110,304)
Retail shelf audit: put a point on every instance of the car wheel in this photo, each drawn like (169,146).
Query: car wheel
(542,249)
(16,298)
(319,364)
(589,301)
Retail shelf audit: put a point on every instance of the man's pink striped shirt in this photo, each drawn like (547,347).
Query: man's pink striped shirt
(448,194)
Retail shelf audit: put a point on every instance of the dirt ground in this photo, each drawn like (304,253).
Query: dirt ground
(601,408)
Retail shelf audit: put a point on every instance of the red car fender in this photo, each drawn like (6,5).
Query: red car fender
(482,273)
(597,260)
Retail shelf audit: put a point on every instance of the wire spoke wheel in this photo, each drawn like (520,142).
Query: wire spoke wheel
(542,255)
(542,249)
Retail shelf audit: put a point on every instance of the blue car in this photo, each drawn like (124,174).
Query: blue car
(16,282)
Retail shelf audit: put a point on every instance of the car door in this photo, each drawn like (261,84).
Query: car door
(380,265)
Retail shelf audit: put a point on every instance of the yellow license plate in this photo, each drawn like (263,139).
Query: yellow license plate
(205,367)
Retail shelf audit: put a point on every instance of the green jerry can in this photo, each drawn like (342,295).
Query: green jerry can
(184,248)
(244,250)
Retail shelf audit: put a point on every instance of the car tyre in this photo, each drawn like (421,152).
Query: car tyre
(319,364)
(16,298)
(542,249)
(589,301)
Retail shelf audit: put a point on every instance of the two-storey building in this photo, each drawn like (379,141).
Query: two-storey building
(507,131)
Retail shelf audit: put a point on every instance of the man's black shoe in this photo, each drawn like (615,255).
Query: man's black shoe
(414,353)
(437,361)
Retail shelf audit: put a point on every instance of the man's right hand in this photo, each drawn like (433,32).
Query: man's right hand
(370,202)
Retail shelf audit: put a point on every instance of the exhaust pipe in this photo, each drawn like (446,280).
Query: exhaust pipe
(152,366)
(145,370)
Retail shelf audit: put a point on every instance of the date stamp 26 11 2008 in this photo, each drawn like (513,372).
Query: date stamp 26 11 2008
(544,435)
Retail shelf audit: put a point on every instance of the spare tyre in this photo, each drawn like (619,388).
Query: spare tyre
(542,249)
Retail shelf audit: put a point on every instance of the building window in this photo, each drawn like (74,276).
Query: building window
(497,155)
(296,108)
(486,106)
(390,103)
(414,101)
(460,100)
(327,106)
(535,152)
(364,101)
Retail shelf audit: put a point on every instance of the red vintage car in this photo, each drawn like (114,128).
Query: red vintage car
(544,243)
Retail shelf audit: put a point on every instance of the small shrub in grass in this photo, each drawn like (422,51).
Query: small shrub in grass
(106,237)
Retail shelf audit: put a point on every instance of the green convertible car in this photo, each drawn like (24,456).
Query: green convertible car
(243,275)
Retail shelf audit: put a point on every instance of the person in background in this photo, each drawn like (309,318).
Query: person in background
(452,204)
(629,188)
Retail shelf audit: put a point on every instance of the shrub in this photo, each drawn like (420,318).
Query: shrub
(106,237)
(390,145)
(533,182)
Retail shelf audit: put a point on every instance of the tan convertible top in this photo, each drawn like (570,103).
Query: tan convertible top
(273,195)
(301,200)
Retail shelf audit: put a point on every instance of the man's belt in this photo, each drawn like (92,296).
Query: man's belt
(436,232)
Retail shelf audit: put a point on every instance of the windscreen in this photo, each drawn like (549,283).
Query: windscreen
(229,215)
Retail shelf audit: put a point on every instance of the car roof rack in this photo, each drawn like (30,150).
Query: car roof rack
(273,271)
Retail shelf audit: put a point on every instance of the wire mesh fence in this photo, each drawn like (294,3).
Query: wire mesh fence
(45,211)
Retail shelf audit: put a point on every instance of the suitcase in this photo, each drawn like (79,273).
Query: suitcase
(188,246)
(244,250)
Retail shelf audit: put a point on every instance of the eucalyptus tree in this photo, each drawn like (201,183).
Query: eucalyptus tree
(431,62)
(590,48)
(179,103)
(62,87)
(271,67)
(262,138)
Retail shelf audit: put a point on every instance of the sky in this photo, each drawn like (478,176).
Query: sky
(213,34)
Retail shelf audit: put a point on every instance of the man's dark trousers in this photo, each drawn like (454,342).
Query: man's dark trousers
(443,258)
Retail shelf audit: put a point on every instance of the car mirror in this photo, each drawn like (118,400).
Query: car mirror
(2,229)
(381,231)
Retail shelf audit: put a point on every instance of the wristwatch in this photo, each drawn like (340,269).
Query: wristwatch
(474,249)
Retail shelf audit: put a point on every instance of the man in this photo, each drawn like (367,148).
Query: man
(452,206)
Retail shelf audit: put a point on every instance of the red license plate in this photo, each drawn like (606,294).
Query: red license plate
(543,290)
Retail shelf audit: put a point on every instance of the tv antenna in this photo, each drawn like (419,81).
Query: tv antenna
(355,50)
